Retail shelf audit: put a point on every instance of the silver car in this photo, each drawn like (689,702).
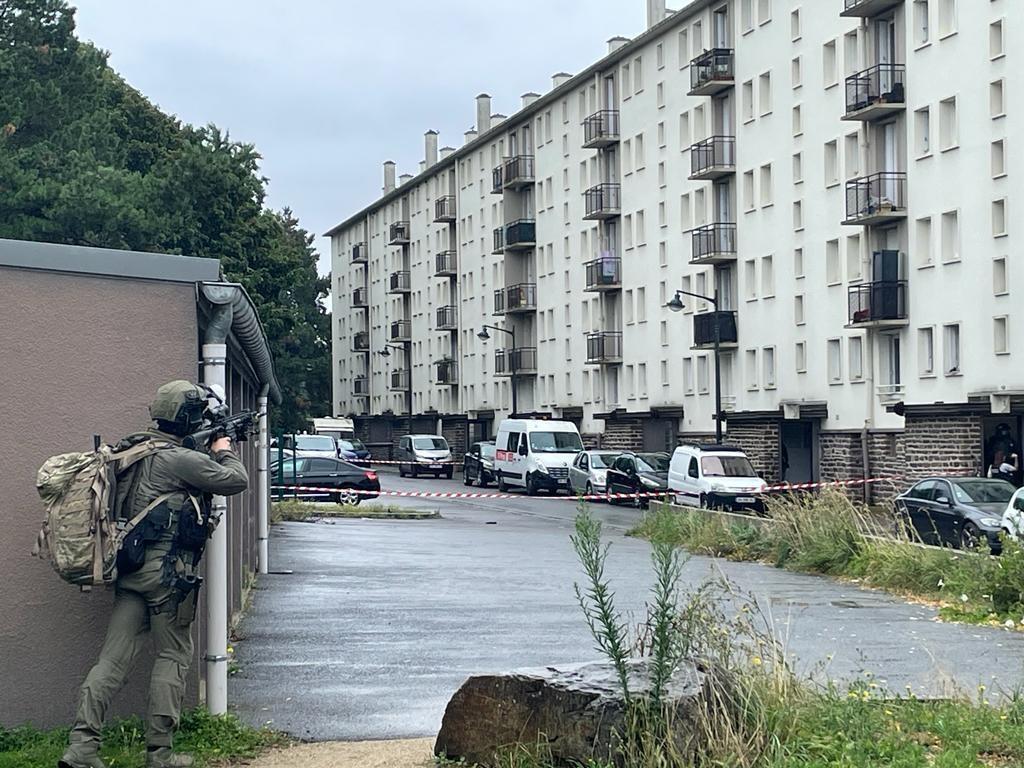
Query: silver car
(588,470)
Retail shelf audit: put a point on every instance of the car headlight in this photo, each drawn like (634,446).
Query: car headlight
(718,487)
(648,483)
(991,522)
(487,464)
(542,468)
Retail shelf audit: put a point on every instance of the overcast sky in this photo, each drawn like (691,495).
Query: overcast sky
(330,90)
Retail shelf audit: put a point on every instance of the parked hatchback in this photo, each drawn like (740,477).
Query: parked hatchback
(332,479)
(478,464)
(637,474)
(962,512)
(424,454)
(353,450)
(589,470)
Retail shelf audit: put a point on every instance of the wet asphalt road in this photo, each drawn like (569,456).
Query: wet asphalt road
(380,621)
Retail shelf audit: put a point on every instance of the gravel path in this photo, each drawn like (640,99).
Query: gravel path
(408,753)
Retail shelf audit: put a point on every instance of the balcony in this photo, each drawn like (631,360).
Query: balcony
(515,299)
(444,209)
(707,323)
(398,233)
(446,264)
(499,240)
(712,72)
(446,319)
(399,282)
(604,347)
(713,244)
(889,393)
(521,235)
(881,304)
(361,342)
(517,172)
(876,199)
(400,381)
(713,158)
(867,8)
(601,129)
(446,373)
(603,202)
(521,361)
(497,187)
(604,274)
(401,330)
(360,298)
(360,253)
(361,386)
(876,92)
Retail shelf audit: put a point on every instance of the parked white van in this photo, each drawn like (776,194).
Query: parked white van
(713,477)
(535,454)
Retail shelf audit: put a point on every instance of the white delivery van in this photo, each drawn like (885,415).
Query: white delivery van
(715,477)
(535,454)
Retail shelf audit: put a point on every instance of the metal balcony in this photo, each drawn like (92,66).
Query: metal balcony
(712,72)
(867,8)
(876,199)
(517,172)
(497,187)
(876,92)
(499,240)
(361,386)
(446,264)
(707,323)
(604,274)
(516,299)
(401,330)
(361,342)
(521,235)
(444,209)
(713,158)
(604,347)
(446,319)
(399,282)
(603,202)
(713,244)
(399,233)
(881,304)
(446,372)
(601,129)
(360,253)
(400,381)
(360,298)
(521,361)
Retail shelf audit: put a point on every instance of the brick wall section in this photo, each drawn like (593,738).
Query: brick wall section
(456,432)
(591,440)
(760,441)
(840,456)
(942,445)
(623,435)
(887,457)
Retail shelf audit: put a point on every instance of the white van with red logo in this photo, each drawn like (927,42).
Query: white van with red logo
(535,454)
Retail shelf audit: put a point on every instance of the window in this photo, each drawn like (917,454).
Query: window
(798,167)
(685,212)
(662,219)
(767,277)
(833,271)
(947,18)
(923,241)
(798,120)
(641,375)
(767,192)
(625,80)
(850,59)
(796,72)
(683,41)
(831,163)
(835,361)
(828,64)
(638,75)
(641,228)
(997,106)
(926,352)
(641,158)
(764,11)
(750,279)
(661,134)
(688,375)
(662,177)
(794,25)
(751,369)
(999,277)
(856,351)
(798,262)
(923,132)
(768,364)
(660,90)
(684,131)
(948,125)
(664,333)
(798,216)
(996,40)
(951,349)
(798,309)
(801,357)
(922,28)
(748,190)
(854,270)
(998,159)
(746,15)
(764,93)
(1000,334)
(852,144)
(999,218)
(641,305)
(748,101)
(660,55)
(703,380)
(664,373)
(950,236)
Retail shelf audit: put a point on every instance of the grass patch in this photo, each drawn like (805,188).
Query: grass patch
(829,534)
(304,511)
(212,740)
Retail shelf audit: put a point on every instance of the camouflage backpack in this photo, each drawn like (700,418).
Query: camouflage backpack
(84,494)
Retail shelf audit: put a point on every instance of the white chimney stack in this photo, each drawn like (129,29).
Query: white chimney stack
(483,113)
(616,42)
(656,12)
(471,134)
(389,176)
(446,151)
(529,98)
(497,118)
(430,148)
(560,79)
(405,178)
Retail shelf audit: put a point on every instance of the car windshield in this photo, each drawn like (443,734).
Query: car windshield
(429,444)
(314,443)
(727,466)
(652,462)
(555,442)
(602,460)
(357,445)
(346,445)
(487,450)
(982,491)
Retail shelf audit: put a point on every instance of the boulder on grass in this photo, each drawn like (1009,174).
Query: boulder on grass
(573,713)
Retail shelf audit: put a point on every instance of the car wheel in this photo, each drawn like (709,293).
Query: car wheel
(466,479)
(347,496)
(501,483)
(970,537)
(413,471)
(450,473)
(589,492)
(401,470)
(703,501)
(531,487)
(608,496)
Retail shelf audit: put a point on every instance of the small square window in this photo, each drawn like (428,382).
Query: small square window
(949,130)
(751,371)
(798,309)
(748,101)
(768,366)
(830,75)
(926,352)
(923,132)
(798,121)
(1000,335)
(801,357)
(798,262)
(798,216)
(798,167)
(835,361)
(950,236)
(999,276)
(833,270)
(795,31)
(796,72)
(999,218)
(996,102)
(764,93)
(951,349)
(996,40)
(998,158)
(856,355)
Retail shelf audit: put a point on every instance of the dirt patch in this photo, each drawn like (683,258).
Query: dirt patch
(407,753)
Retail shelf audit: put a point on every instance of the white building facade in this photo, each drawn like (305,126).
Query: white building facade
(836,174)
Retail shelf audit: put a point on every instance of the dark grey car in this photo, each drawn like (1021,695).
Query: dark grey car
(961,512)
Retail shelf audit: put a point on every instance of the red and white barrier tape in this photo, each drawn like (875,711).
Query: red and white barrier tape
(457,494)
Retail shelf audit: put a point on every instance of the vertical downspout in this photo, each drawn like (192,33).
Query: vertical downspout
(263,482)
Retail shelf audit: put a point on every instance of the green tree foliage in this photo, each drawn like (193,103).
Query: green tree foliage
(88,160)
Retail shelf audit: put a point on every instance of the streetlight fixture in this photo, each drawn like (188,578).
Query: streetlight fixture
(676,305)
(513,366)
(386,352)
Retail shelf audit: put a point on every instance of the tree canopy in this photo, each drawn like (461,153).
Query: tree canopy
(86,159)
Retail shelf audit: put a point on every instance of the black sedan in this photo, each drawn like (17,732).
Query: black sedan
(334,479)
(638,473)
(478,464)
(962,512)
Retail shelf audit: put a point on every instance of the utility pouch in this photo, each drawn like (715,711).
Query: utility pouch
(132,554)
(188,588)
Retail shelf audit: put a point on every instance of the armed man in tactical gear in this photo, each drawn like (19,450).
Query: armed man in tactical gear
(158,574)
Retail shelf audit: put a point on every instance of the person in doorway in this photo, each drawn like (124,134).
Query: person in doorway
(1004,467)
(158,583)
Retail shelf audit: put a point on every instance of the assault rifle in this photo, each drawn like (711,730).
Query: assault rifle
(239,427)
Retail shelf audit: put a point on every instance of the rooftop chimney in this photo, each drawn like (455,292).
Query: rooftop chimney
(430,148)
(472,134)
(560,79)
(529,98)
(389,176)
(446,151)
(405,178)
(656,12)
(497,117)
(423,165)
(616,42)
(483,113)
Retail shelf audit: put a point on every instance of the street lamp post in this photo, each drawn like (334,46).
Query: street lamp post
(386,352)
(513,366)
(676,305)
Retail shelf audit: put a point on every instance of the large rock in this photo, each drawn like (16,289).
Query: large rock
(575,712)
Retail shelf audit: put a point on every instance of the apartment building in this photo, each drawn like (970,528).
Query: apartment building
(832,176)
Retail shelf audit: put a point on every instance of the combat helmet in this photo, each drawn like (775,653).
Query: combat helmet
(178,407)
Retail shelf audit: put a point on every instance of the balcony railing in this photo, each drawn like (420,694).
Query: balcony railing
(497,185)
(447,372)
(401,330)
(515,298)
(876,199)
(713,244)
(361,386)
(360,298)
(361,342)
(520,235)
(444,209)
(517,172)
(867,8)
(400,380)
(360,254)
(876,92)
(603,201)
(604,273)
(713,158)
(882,303)
(399,282)
(399,233)
(890,393)
(499,240)
(601,129)
(706,324)
(519,361)
(446,264)
(604,347)
(446,319)
(712,72)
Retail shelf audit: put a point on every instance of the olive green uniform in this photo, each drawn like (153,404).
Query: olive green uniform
(146,602)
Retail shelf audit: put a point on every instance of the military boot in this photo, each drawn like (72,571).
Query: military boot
(72,761)
(163,757)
